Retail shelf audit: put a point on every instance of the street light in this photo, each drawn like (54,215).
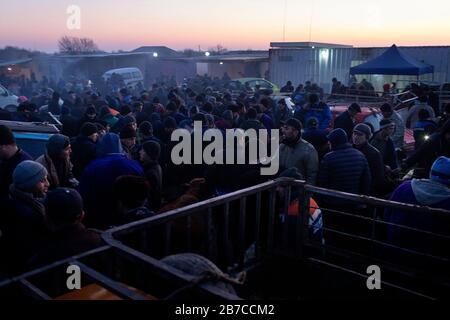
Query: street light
(207,53)
(220,62)
(155,54)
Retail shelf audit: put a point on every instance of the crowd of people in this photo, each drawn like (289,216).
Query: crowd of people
(111,164)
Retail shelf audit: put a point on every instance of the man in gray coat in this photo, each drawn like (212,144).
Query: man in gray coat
(296,152)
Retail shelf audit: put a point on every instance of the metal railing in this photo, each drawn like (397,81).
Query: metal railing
(250,229)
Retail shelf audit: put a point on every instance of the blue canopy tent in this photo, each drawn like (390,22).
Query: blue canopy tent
(393,62)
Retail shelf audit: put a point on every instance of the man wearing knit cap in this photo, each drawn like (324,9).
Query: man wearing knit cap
(360,137)
(298,153)
(23,223)
(344,168)
(398,137)
(57,162)
(128,139)
(84,148)
(64,212)
(10,156)
(383,142)
(433,192)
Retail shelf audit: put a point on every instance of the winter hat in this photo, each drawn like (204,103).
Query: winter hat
(146,128)
(87,129)
(91,110)
(127,132)
(386,123)
(170,123)
(364,129)
(110,143)
(57,143)
(337,137)
(129,119)
(355,107)
(291,173)
(386,107)
(63,205)
(27,174)
(6,136)
(152,149)
(440,171)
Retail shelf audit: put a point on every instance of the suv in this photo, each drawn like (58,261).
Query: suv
(8,101)
(31,137)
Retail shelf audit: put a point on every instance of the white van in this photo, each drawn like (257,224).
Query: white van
(131,76)
(8,101)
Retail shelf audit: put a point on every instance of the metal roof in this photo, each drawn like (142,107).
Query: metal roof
(4,63)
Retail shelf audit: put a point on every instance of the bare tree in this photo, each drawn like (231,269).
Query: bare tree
(75,45)
(219,49)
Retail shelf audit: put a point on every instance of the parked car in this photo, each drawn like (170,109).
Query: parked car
(31,136)
(8,101)
(130,76)
(251,83)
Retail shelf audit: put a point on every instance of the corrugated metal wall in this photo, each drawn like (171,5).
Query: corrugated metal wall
(315,65)
(320,66)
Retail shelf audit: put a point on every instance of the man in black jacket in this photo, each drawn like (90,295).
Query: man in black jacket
(10,156)
(83,148)
(344,168)
(23,216)
(360,137)
(346,120)
(64,212)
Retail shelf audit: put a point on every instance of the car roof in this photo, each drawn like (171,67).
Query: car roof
(122,70)
(32,136)
(32,127)
(248,79)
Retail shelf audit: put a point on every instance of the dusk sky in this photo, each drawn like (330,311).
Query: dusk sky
(235,24)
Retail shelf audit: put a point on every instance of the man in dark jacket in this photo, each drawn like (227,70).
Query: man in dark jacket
(98,177)
(433,192)
(383,142)
(149,156)
(346,120)
(69,237)
(69,123)
(23,216)
(10,156)
(252,122)
(131,194)
(360,137)
(438,145)
(344,168)
(83,148)
(318,138)
(298,153)
(89,116)
(57,162)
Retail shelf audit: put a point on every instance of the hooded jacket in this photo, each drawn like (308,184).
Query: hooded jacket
(423,192)
(98,178)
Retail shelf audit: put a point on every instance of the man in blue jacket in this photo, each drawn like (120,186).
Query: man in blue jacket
(98,178)
(344,168)
(317,109)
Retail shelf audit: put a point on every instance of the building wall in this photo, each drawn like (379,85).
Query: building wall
(300,65)
(235,69)
(315,65)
